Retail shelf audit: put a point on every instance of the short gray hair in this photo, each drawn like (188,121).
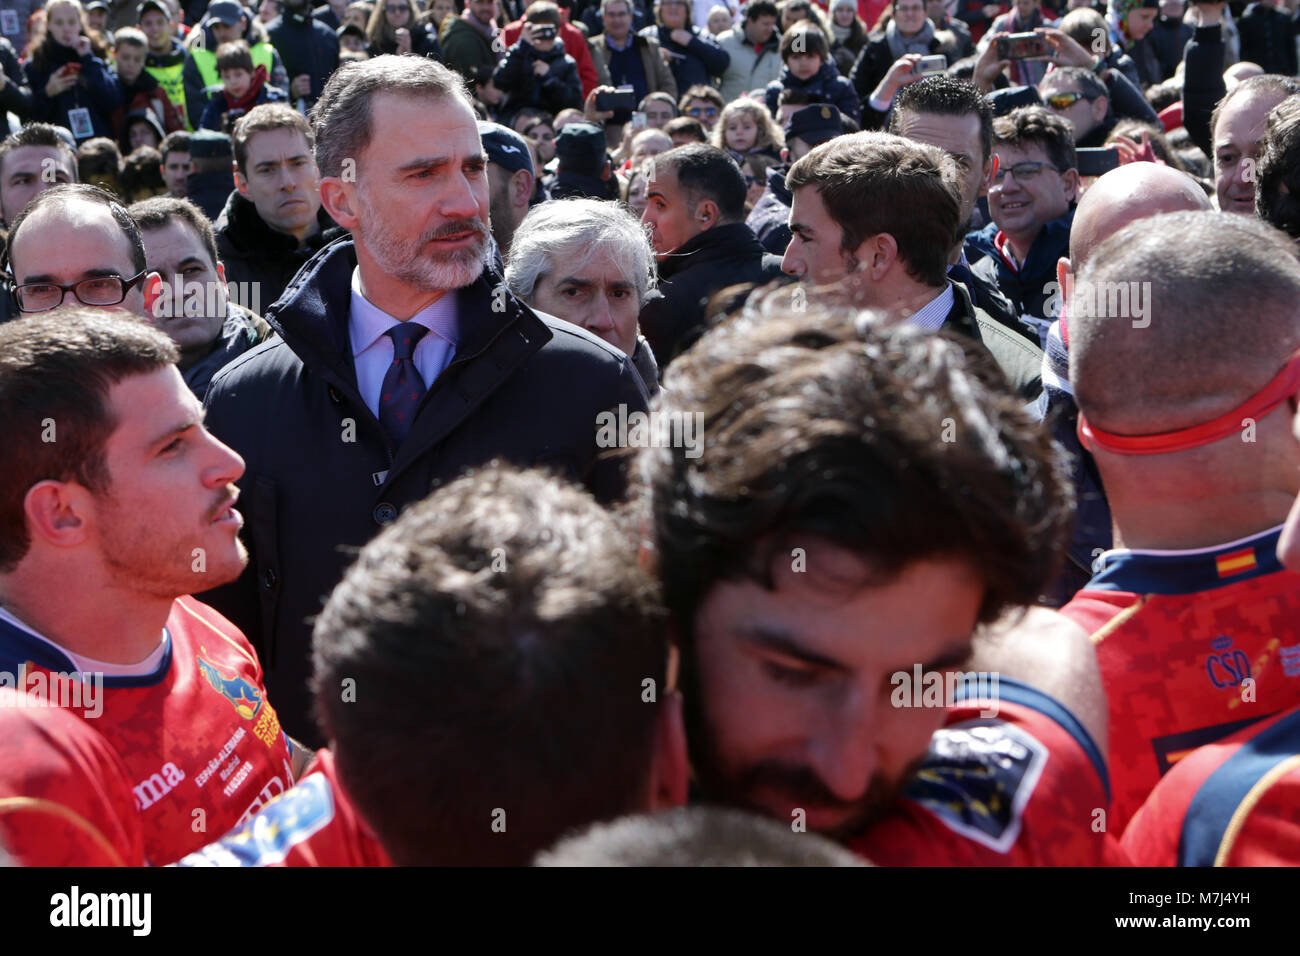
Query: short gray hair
(341,117)
(604,4)
(573,231)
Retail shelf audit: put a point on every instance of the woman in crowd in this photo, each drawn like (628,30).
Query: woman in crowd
(71,86)
(848,34)
(695,56)
(395,27)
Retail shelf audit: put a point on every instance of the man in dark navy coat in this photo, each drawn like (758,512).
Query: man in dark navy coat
(399,363)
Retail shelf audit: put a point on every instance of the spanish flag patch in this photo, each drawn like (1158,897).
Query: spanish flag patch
(1236,562)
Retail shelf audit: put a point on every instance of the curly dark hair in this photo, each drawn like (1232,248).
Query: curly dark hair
(894,444)
(1277,186)
(500,633)
(1037,124)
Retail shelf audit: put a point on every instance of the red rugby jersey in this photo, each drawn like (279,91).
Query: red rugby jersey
(1022,788)
(201,745)
(65,798)
(314,824)
(1177,634)
(1231,803)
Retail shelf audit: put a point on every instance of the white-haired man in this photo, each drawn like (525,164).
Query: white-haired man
(590,263)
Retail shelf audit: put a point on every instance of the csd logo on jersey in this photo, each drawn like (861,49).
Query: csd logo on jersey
(246,699)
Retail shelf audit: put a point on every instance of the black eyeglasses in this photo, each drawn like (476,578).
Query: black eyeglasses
(1024,172)
(97,291)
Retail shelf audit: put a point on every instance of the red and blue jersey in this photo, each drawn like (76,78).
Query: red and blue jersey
(1193,646)
(202,747)
(314,824)
(1023,788)
(1231,803)
(65,795)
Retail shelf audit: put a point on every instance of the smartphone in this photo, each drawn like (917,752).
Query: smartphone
(1096,162)
(638,120)
(71,69)
(1023,46)
(929,65)
(623,99)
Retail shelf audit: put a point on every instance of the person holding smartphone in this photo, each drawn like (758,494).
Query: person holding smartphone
(70,84)
(537,71)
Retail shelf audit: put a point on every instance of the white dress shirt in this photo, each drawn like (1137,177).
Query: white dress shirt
(372,350)
(934,313)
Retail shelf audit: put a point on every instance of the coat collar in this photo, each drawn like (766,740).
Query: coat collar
(729,239)
(312,314)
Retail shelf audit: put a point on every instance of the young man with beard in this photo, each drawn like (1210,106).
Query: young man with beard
(115,504)
(398,364)
(870,494)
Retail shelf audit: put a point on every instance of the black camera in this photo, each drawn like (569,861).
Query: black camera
(545,31)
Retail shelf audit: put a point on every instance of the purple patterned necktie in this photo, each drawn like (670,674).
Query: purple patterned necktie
(403,388)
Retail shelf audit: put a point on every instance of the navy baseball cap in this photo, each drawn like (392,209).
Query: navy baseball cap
(505,147)
(815,124)
(225,11)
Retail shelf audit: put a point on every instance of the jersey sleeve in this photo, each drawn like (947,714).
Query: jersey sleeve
(65,797)
(1013,779)
(1232,803)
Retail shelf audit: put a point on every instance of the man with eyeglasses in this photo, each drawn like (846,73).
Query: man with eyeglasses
(76,244)
(1078,97)
(1031,201)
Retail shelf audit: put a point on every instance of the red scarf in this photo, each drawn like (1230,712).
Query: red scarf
(249,99)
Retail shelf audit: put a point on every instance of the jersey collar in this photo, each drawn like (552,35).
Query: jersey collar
(1187,572)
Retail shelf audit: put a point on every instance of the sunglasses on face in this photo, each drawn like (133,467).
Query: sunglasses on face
(1063,101)
(698,111)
